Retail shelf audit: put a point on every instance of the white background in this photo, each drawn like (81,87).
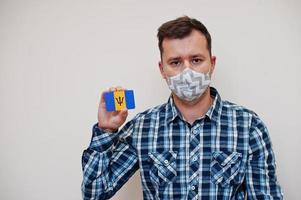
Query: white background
(57,56)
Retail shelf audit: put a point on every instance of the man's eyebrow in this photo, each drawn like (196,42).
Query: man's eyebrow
(197,55)
(179,57)
(173,58)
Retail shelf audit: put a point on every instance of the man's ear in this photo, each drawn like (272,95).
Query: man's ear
(161,70)
(213,61)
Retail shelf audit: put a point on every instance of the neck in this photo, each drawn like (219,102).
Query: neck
(195,109)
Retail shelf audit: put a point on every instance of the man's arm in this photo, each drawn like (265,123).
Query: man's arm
(261,179)
(108,163)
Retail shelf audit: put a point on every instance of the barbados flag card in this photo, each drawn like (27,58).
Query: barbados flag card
(119,100)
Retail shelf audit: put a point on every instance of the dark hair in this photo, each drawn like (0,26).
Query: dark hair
(180,28)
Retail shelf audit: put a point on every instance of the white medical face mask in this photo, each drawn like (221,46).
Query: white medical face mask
(189,85)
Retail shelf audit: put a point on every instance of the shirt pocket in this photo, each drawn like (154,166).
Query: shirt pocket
(163,167)
(225,167)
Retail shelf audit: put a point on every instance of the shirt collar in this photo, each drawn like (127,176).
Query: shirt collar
(213,112)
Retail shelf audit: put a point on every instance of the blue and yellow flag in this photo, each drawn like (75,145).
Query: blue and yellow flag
(119,100)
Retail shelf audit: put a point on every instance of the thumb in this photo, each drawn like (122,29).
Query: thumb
(124,113)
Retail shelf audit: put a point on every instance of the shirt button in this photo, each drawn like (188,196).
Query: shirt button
(192,187)
(166,162)
(195,159)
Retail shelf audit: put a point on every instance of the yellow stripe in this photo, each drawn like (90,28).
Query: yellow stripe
(119,99)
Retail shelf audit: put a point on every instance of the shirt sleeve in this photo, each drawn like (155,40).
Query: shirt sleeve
(261,179)
(108,162)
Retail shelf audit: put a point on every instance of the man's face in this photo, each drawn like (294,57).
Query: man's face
(190,51)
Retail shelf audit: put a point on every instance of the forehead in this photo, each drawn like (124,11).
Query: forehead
(194,43)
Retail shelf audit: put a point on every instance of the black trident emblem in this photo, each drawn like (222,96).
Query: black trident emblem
(119,100)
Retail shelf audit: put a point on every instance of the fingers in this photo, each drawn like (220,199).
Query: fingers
(121,112)
(111,89)
(118,88)
(124,112)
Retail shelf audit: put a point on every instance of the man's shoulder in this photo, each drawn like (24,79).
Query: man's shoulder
(242,114)
(238,109)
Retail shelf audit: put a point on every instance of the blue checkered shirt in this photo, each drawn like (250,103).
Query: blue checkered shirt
(227,154)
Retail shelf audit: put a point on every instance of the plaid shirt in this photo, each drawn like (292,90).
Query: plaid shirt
(227,154)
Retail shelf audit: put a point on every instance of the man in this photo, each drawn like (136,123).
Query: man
(195,146)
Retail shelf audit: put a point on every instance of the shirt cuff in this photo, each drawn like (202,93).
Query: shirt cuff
(102,140)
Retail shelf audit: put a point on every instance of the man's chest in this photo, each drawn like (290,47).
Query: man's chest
(192,159)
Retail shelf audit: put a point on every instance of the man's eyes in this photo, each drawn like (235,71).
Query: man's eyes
(175,63)
(196,61)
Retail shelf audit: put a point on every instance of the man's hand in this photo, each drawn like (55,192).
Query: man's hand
(110,121)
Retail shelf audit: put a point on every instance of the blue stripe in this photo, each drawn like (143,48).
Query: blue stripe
(129,99)
(110,103)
